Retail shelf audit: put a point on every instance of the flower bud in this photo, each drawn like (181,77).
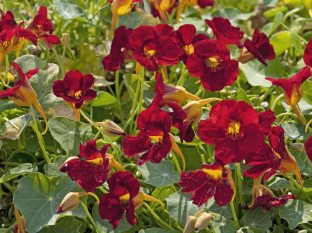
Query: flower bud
(190,224)
(65,39)
(70,202)
(202,222)
(193,111)
(109,128)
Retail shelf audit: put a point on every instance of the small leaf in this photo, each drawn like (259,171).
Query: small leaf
(180,206)
(281,41)
(279,183)
(241,96)
(276,22)
(270,14)
(69,10)
(233,14)
(65,225)
(224,211)
(135,19)
(103,99)
(53,169)
(293,131)
(295,212)
(105,226)
(223,225)
(258,218)
(38,197)
(67,133)
(22,169)
(278,229)
(160,174)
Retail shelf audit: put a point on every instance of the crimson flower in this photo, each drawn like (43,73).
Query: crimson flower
(151,49)
(23,94)
(12,36)
(187,38)
(41,26)
(153,139)
(167,93)
(266,119)
(212,64)
(273,158)
(259,48)
(120,51)
(91,168)
(213,180)
(75,89)
(291,87)
(234,128)
(224,32)
(264,198)
(123,188)
(308,147)
(307,55)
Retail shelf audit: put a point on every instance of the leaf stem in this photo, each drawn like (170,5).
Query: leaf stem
(298,187)
(240,188)
(176,162)
(39,136)
(117,88)
(234,214)
(90,217)
(281,96)
(157,217)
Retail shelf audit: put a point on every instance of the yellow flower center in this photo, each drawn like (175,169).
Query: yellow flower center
(77,94)
(156,139)
(213,62)
(233,129)
(215,174)
(188,49)
(149,53)
(97,161)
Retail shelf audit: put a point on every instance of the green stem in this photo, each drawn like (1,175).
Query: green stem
(133,107)
(90,217)
(287,114)
(157,217)
(181,79)
(7,64)
(296,34)
(298,187)
(234,214)
(176,162)
(118,97)
(61,65)
(39,136)
(281,96)
(209,153)
(9,187)
(301,113)
(240,187)
(141,95)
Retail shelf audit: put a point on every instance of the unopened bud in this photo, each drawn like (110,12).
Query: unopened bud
(202,222)
(193,111)
(65,39)
(70,202)
(109,128)
(298,146)
(190,224)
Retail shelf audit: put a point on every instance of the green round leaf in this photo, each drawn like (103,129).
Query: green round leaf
(293,131)
(259,219)
(53,169)
(295,212)
(160,174)
(67,133)
(222,225)
(65,225)
(103,99)
(69,10)
(135,19)
(281,41)
(38,197)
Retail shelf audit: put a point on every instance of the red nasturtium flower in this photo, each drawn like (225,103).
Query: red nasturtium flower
(167,93)
(120,51)
(123,188)
(153,139)
(224,32)
(12,36)
(307,55)
(234,128)
(41,26)
(23,94)
(259,48)
(187,38)
(308,147)
(291,88)
(198,4)
(212,64)
(275,159)
(75,89)
(151,48)
(263,197)
(92,167)
(213,180)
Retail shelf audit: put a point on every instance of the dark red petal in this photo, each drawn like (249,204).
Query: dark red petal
(164,29)
(192,180)
(130,213)
(121,183)
(72,80)
(113,63)
(196,66)
(224,193)
(266,119)
(252,140)
(307,145)
(205,3)
(201,195)
(133,146)
(307,56)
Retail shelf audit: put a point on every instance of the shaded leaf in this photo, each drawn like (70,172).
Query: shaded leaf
(241,96)
(233,14)
(67,133)
(281,41)
(65,225)
(223,225)
(279,183)
(103,99)
(160,174)
(22,169)
(135,19)
(224,211)
(293,131)
(258,218)
(53,169)
(69,10)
